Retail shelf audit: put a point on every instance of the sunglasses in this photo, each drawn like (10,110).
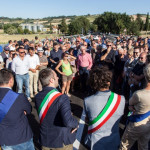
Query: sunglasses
(108,45)
(21,52)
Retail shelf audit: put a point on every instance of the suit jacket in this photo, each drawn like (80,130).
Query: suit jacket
(14,128)
(55,130)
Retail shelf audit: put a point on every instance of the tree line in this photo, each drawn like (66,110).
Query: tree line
(108,22)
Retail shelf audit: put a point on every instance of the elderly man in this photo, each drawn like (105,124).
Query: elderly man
(5,54)
(84,64)
(43,64)
(108,56)
(57,125)
(136,77)
(15,131)
(138,128)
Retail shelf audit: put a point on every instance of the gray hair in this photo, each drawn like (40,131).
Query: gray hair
(82,46)
(45,75)
(147,72)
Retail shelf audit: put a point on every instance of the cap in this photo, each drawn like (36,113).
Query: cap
(40,49)
(6,48)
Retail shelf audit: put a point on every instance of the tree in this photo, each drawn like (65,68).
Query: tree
(20,30)
(63,26)
(78,25)
(147,23)
(134,29)
(26,31)
(51,28)
(93,27)
(139,22)
(115,23)
(11,30)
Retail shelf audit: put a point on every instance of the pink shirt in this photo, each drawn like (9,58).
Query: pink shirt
(84,61)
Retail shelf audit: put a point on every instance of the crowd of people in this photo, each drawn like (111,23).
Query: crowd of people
(109,73)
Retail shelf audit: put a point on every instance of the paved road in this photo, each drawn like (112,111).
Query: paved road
(76,106)
(77,109)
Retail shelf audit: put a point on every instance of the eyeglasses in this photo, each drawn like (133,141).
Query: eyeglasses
(108,45)
(77,41)
(21,52)
(85,45)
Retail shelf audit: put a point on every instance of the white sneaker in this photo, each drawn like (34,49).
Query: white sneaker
(29,99)
(68,95)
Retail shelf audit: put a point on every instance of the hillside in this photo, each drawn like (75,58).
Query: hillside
(53,20)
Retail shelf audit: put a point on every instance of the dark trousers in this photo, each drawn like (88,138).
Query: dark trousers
(84,74)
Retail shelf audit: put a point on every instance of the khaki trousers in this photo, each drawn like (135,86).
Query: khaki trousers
(138,131)
(66,147)
(33,79)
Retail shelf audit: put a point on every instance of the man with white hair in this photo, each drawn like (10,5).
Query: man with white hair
(118,70)
(136,80)
(43,64)
(84,64)
(108,56)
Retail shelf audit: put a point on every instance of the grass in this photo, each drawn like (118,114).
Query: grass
(4,38)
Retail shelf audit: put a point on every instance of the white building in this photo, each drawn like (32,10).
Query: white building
(32,27)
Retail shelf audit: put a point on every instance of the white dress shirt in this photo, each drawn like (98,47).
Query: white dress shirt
(20,66)
(33,61)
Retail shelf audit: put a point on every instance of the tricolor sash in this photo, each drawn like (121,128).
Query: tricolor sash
(6,103)
(109,109)
(138,117)
(46,103)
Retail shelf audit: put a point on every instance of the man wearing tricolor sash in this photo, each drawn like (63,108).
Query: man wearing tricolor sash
(103,110)
(57,125)
(138,128)
(15,131)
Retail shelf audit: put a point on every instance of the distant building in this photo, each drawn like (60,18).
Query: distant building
(32,27)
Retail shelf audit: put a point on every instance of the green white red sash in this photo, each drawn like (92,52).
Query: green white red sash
(46,103)
(106,113)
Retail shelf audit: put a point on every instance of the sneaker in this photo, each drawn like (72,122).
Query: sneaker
(68,95)
(29,99)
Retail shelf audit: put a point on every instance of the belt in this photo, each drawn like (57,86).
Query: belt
(83,67)
(22,74)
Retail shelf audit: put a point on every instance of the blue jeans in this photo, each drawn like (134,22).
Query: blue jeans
(23,146)
(23,80)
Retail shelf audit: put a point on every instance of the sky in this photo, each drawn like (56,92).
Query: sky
(45,8)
